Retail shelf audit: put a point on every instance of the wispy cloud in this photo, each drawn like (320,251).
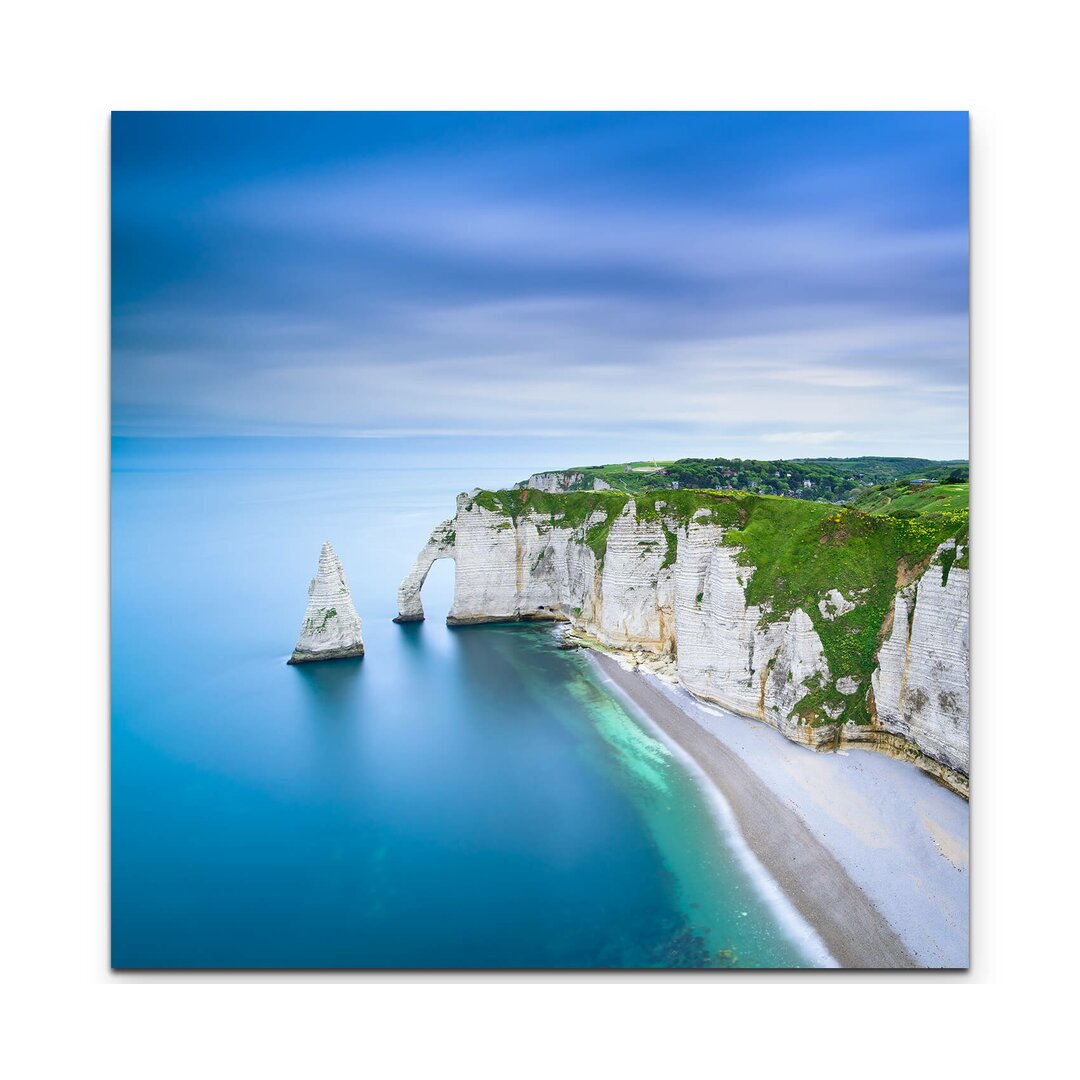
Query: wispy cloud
(685,280)
(803,438)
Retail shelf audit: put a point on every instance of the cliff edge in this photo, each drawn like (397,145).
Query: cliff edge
(834,626)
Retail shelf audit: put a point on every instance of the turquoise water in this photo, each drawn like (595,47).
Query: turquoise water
(470,797)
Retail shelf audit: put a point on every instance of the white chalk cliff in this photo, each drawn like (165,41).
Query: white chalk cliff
(440,545)
(563,481)
(672,596)
(331,628)
(921,684)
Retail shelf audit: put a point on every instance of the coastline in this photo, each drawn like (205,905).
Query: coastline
(878,892)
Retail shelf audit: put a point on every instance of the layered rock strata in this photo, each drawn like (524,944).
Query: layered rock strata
(921,683)
(331,628)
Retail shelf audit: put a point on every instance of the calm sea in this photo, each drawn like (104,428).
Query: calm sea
(470,797)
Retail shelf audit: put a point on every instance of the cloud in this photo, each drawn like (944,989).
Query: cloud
(686,280)
(803,438)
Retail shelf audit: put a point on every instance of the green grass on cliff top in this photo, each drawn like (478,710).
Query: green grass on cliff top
(800,550)
(907,499)
(829,479)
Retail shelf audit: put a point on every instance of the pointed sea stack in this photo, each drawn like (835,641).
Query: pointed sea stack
(331,628)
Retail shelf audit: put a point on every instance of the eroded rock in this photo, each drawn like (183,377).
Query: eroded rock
(331,628)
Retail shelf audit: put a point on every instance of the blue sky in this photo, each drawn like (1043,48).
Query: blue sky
(664,284)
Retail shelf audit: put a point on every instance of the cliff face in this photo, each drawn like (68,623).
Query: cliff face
(331,628)
(819,643)
(564,481)
(921,684)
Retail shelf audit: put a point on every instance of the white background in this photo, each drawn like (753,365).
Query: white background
(65,66)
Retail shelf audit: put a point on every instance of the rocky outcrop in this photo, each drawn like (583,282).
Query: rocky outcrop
(727,652)
(553,481)
(440,545)
(671,592)
(921,684)
(331,629)
(565,480)
(834,605)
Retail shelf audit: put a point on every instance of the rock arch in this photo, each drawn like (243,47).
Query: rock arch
(440,545)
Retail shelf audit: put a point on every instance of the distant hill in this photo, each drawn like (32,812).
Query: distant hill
(818,479)
(904,499)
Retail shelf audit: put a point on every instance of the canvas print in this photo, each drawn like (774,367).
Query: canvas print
(539,540)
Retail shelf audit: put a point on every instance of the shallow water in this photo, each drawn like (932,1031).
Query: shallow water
(470,797)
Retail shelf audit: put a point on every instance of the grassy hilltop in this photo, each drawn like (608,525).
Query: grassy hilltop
(801,550)
(904,499)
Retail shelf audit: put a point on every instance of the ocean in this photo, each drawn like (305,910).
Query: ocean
(468,797)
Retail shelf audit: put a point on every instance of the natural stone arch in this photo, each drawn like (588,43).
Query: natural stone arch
(440,545)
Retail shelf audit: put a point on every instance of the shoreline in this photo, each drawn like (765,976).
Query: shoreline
(813,849)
